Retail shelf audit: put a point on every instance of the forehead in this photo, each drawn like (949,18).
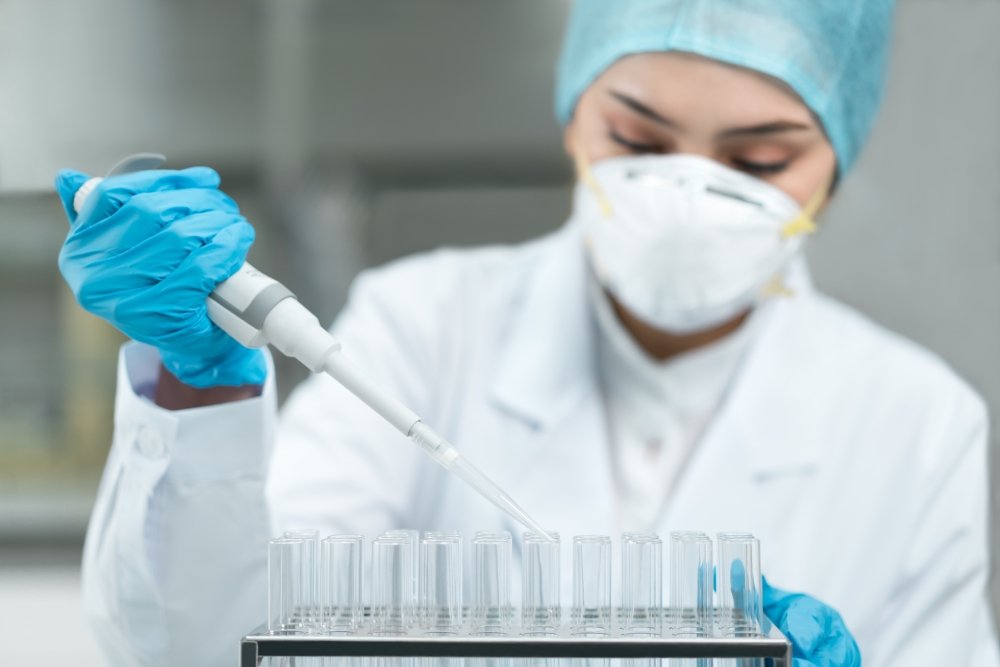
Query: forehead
(688,85)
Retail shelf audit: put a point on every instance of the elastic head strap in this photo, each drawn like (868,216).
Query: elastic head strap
(586,176)
(804,222)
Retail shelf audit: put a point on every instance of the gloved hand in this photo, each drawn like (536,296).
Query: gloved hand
(146,251)
(818,634)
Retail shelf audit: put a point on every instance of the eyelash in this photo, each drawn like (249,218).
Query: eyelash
(631,145)
(766,168)
(763,168)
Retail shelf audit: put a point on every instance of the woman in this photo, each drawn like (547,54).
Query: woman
(661,362)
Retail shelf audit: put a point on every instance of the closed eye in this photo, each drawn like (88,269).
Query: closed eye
(761,167)
(634,146)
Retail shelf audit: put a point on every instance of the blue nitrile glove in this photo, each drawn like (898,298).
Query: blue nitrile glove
(817,632)
(146,251)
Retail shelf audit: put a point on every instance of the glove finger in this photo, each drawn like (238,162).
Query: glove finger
(163,254)
(151,213)
(140,288)
(146,215)
(173,204)
(175,242)
(226,253)
(189,285)
(776,600)
(112,193)
(818,633)
(67,182)
(837,648)
(804,624)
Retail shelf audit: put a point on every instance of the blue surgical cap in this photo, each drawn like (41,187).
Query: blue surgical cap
(831,52)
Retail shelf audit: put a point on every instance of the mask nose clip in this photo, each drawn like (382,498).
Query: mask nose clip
(712,189)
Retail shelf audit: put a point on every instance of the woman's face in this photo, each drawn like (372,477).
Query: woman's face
(665,103)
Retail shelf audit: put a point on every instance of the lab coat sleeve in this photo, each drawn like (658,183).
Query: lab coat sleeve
(938,613)
(174,561)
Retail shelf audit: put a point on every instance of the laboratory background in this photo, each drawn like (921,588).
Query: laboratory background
(352,132)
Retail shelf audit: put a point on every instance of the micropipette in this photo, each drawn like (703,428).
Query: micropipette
(256,310)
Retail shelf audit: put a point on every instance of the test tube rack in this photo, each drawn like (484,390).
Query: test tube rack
(316,608)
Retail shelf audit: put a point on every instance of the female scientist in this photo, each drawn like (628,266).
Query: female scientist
(660,362)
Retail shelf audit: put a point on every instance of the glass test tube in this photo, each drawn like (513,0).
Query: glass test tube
(642,583)
(414,537)
(541,611)
(739,598)
(691,577)
(492,611)
(392,586)
(443,534)
(284,585)
(591,613)
(440,588)
(310,570)
(340,582)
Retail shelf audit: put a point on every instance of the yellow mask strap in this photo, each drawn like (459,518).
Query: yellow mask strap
(587,178)
(776,288)
(804,222)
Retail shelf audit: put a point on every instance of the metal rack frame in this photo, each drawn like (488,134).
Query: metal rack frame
(768,644)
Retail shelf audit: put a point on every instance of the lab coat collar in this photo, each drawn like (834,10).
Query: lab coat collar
(547,363)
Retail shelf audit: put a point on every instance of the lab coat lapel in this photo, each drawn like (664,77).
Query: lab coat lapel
(771,426)
(546,361)
(774,406)
(546,386)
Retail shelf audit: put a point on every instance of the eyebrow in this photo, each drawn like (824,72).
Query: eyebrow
(773,127)
(641,109)
(765,128)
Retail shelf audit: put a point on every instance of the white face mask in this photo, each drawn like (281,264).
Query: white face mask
(683,242)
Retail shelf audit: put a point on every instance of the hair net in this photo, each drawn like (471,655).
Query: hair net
(831,52)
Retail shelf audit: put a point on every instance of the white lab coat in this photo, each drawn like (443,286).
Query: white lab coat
(858,459)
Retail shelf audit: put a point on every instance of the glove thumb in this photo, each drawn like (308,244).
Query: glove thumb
(68,181)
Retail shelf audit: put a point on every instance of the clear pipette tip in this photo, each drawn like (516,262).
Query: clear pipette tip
(445,453)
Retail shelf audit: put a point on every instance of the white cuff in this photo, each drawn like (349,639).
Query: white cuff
(206,444)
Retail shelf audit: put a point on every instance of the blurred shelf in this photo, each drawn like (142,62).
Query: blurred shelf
(45,513)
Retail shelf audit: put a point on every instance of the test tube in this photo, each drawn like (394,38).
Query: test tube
(642,583)
(285,586)
(540,603)
(739,599)
(310,572)
(392,587)
(443,534)
(414,537)
(691,577)
(340,582)
(492,606)
(440,588)
(591,613)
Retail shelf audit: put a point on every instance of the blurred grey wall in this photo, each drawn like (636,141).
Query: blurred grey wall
(355,131)
(914,237)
